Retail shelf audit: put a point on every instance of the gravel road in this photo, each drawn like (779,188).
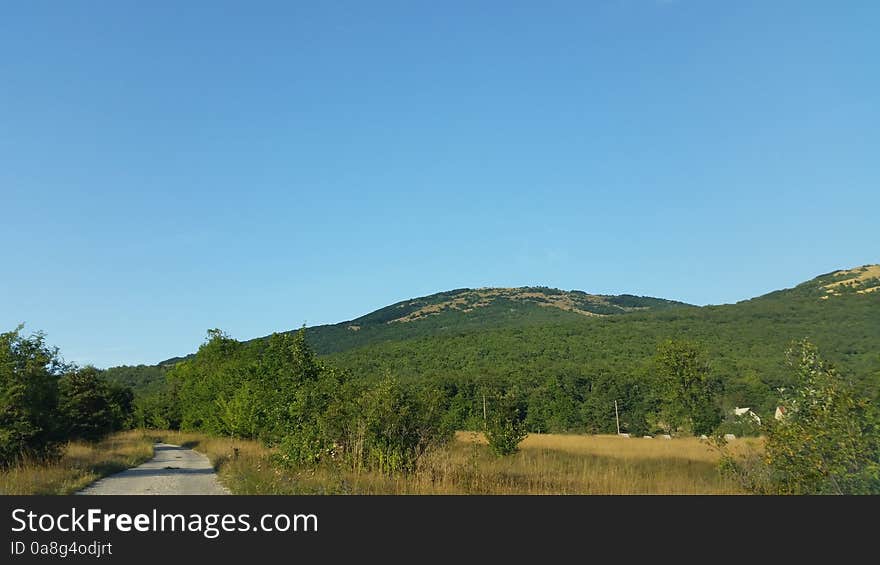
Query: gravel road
(172,470)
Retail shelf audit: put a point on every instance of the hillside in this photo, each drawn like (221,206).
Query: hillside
(447,313)
(746,342)
(465,310)
(535,335)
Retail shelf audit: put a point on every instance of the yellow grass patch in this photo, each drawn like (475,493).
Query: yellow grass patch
(79,465)
(855,276)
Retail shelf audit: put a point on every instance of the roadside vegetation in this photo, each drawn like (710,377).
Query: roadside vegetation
(46,403)
(78,464)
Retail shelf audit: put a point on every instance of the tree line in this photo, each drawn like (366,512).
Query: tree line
(45,402)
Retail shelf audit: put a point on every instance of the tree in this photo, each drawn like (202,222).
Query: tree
(506,424)
(29,371)
(829,440)
(86,405)
(213,373)
(686,389)
(121,400)
(158,410)
(289,372)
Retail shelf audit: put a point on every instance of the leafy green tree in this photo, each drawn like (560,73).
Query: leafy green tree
(554,405)
(214,373)
(506,423)
(158,410)
(87,405)
(685,388)
(121,400)
(633,404)
(828,442)
(292,398)
(29,371)
(239,413)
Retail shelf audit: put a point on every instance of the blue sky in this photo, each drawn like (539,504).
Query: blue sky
(168,167)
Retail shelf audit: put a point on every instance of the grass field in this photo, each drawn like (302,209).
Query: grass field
(80,464)
(546,464)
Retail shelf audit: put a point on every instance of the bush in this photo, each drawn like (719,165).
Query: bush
(506,425)
(828,442)
(400,425)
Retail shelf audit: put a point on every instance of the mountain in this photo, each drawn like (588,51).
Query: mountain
(466,309)
(533,334)
(746,342)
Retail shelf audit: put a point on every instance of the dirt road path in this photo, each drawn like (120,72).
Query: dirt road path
(172,470)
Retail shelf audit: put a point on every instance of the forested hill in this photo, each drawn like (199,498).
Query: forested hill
(468,309)
(746,342)
(465,310)
(536,333)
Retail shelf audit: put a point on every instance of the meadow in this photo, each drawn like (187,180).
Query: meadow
(545,464)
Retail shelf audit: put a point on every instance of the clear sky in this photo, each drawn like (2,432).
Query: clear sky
(169,167)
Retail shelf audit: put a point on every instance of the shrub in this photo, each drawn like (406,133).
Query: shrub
(506,426)
(828,442)
(400,425)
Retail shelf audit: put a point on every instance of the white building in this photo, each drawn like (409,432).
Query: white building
(742,412)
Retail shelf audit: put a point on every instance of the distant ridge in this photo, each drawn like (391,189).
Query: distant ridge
(468,309)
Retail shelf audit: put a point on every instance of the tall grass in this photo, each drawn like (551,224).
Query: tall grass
(546,464)
(80,464)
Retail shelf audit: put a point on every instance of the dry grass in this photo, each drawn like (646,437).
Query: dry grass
(856,276)
(79,465)
(546,464)
(860,274)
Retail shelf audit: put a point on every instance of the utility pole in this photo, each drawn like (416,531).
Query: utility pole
(485,425)
(617,417)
